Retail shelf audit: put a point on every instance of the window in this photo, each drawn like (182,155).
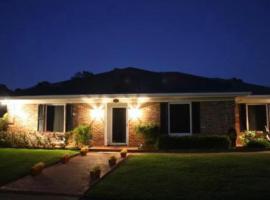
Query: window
(257,117)
(180,119)
(3,110)
(51,118)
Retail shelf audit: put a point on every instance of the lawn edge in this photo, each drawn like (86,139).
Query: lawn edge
(28,173)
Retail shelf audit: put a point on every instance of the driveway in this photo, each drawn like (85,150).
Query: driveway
(71,179)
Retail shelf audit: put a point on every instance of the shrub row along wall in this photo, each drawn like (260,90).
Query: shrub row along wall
(195,142)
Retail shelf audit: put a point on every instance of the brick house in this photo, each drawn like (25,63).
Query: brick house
(186,105)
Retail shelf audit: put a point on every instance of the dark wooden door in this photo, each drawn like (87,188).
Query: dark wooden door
(119,125)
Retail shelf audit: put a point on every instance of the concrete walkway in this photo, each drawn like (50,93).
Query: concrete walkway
(13,196)
(71,179)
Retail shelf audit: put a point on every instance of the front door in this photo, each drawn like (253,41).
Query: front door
(119,128)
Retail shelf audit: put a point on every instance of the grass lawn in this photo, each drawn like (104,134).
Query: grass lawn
(188,176)
(15,163)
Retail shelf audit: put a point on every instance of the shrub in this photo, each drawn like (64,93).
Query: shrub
(247,137)
(82,135)
(233,136)
(149,132)
(4,122)
(27,139)
(258,143)
(195,142)
(251,139)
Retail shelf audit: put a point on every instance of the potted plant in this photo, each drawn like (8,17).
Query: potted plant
(95,173)
(123,153)
(37,168)
(112,161)
(65,159)
(84,151)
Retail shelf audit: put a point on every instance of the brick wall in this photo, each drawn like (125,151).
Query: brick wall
(217,117)
(151,114)
(81,115)
(23,117)
(26,117)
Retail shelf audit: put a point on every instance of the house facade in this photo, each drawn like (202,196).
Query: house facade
(113,117)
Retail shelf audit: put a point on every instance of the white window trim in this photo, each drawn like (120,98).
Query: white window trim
(45,120)
(247,115)
(190,119)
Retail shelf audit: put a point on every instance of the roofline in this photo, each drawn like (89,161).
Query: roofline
(132,95)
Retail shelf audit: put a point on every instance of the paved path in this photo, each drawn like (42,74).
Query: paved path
(12,196)
(66,179)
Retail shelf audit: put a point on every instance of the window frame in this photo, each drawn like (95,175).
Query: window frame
(247,115)
(190,118)
(45,117)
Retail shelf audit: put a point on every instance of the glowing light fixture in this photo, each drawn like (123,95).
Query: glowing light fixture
(97,113)
(134,113)
(4,102)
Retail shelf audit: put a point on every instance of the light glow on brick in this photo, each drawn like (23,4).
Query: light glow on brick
(134,113)
(97,113)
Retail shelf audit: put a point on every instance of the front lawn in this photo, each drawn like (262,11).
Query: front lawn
(188,176)
(15,163)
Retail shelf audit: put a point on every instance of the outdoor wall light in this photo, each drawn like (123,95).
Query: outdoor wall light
(134,113)
(15,109)
(97,113)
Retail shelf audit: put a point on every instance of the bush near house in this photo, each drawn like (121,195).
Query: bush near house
(27,139)
(82,135)
(195,142)
(4,122)
(150,134)
(252,139)
(33,139)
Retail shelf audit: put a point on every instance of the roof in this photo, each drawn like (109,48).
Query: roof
(138,81)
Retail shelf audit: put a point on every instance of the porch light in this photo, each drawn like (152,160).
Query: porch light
(15,109)
(97,113)
(4,102)
(134,113)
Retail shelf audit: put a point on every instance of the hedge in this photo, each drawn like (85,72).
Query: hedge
(258,143)
(195,142)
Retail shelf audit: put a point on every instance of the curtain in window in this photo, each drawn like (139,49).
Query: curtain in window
(41,117)
(58,123)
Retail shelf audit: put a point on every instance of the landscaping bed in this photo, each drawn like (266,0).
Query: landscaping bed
(188,176)
(15,163)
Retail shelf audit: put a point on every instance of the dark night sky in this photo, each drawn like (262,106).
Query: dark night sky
(53,39)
